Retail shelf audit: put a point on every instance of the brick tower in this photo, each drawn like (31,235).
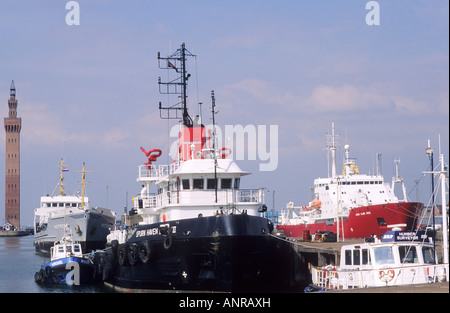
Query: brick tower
(13,125)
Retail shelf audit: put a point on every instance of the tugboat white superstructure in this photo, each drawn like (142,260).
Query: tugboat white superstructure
(199,230)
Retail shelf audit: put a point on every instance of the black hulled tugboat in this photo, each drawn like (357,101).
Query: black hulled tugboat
(199,231)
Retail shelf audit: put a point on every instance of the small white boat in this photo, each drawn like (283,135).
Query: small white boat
(67,266)
(400,258)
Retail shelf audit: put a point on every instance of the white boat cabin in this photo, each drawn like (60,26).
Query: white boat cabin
(401,258)
(388,253)
(57,206)
(65,248)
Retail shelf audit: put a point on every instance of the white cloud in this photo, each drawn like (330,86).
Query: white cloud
(345,98)
(44,128)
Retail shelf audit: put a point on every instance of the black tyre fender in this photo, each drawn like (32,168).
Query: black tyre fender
(122,254)
(168,241)
(48,271)
(133,253)
(145,251)
(107,266)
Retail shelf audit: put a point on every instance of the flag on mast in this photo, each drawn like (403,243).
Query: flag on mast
(172,66)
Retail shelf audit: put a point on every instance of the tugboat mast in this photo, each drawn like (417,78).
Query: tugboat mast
(213,105)
(177,62)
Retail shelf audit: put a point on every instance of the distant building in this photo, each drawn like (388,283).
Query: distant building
(13,125)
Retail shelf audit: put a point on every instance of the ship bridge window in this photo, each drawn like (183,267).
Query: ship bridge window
(198,183)
(186,184)
(54,204)
(408,254)
(226,183)
(237,182)
(384,255)
(365,257)
(348,257)
(428,255)
(76,248)
(211,183)
(356,257)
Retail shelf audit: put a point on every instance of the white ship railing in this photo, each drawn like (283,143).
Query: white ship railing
(392,276)
(156,171)
(203,197)
(249,195)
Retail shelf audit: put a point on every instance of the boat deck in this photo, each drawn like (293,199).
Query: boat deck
(418,288)
(324,253)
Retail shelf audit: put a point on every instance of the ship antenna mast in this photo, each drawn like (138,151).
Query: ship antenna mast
(61,178)
(213,105)
(83,184)
(60,184)
(177,86)
(332,142)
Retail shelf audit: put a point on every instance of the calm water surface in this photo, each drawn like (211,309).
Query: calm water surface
(18,264)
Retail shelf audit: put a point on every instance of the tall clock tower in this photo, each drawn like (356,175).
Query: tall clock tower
(13,125)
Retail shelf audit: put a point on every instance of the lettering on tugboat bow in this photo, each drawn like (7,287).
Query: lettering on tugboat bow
(155,231)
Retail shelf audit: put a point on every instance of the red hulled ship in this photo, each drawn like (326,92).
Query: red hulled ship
(352,205)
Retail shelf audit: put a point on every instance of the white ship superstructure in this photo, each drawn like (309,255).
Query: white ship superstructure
(340,198)
(90,225)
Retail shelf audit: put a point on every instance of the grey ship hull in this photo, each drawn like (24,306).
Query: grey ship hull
(90,228)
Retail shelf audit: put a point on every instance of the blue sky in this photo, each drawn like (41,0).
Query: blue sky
(89,93)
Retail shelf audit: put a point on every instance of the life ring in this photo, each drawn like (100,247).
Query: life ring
(168,242)
(386,275)
(133,254)
(122,254)
(225,152)
(145,251)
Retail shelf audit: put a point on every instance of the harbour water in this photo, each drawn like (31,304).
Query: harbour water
(18,264)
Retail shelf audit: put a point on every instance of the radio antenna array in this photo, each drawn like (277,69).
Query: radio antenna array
(177,86)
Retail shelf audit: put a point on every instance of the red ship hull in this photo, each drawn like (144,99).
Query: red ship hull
(365,221)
